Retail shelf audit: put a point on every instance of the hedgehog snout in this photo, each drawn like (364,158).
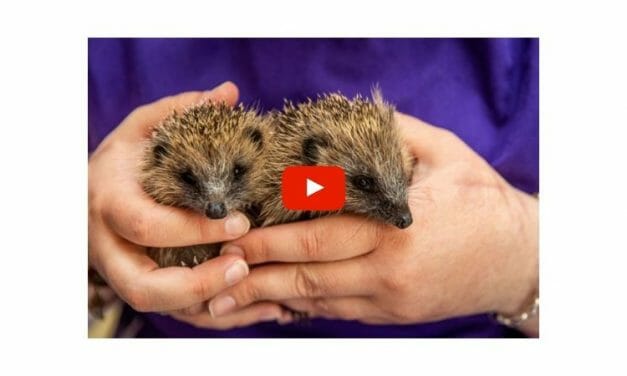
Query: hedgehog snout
(216,210)
(404,220)
(399,216)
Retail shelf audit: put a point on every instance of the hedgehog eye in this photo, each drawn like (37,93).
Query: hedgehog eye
(238,171)
(364,183)
(188,178)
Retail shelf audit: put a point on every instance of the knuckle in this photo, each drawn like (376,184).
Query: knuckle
(139,228)
(378,233)
(205,231)
(306,284)
(199,290)
(260,252)
(131,224)
(246,293)
(104,208)
(310,244)
(138,300)
(395,282)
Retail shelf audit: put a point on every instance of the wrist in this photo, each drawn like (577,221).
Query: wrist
(522,285)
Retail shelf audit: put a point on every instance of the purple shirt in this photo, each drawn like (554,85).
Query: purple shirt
(484,90)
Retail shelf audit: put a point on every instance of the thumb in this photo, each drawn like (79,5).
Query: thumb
(424,141)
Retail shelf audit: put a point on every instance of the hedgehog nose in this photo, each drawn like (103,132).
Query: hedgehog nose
(404,220)
(216,210)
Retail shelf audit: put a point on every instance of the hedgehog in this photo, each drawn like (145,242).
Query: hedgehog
(204,159)
(358,135)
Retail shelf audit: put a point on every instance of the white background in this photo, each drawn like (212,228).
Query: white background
(43,156)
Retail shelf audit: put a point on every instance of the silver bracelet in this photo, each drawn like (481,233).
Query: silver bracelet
(517,319)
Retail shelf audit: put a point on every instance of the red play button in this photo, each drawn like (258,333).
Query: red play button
(319,188)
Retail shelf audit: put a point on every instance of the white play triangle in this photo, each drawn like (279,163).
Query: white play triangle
(313,187)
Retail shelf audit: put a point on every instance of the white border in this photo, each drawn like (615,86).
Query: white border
(43,148)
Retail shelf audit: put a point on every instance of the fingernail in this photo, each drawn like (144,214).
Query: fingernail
(236,272)
(220,306)
(236,224)
(232,250)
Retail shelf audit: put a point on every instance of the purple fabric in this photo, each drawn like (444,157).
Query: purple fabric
(484,90)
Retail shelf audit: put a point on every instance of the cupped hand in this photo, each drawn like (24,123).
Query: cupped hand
(124,221)
(473,247)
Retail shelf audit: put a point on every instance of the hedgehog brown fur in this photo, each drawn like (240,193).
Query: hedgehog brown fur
(358,135)
(204,159)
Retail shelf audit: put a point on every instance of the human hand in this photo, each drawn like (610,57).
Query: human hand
(473,247)
(124,221)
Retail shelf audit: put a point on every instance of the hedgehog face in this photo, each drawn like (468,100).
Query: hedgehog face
(377,171)
(203,167)
(214,184)
(360,136)
(376,182)
(382,196)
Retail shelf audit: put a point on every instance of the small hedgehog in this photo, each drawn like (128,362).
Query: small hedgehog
(358,135)
(204,159)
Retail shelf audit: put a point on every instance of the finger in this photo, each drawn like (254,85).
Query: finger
(261,312)
(345,308)
(288,281)
(140,122)
(322,239)
(145,222)
(138,280)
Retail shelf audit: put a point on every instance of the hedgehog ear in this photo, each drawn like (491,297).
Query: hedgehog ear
(311,148)
(158,152)
(255,136)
